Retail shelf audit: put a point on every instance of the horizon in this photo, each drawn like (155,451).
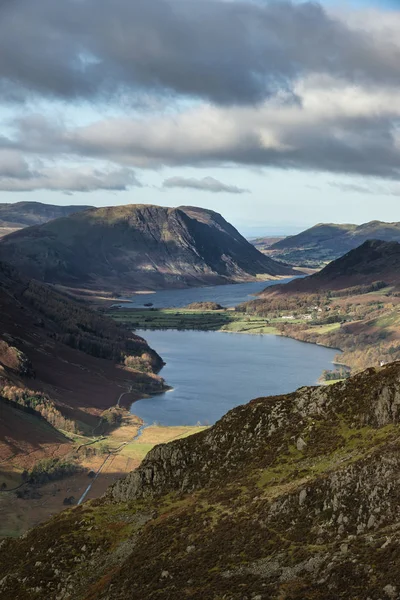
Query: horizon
(275,128)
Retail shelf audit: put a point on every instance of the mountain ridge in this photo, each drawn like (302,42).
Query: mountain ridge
(26,214)
(137,246)
(325,242)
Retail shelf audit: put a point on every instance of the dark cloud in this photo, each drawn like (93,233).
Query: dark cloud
(271,84)
(206,184)
(233,52)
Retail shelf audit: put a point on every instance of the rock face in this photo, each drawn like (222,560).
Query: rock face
(292,497)
(132,247)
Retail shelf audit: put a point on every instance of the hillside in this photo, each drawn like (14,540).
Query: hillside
(24,214)
(292,498)
(327,241)
(135,247)
(264,243)
(353,305)
(61,365)
(371,262)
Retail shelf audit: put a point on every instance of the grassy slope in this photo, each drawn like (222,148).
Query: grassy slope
(55,348)
(124,451)
(277,518)
(367,327)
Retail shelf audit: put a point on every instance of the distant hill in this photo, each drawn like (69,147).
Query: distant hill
(25,214)
(138,246)
(373,261)
(327,241)
(263,243)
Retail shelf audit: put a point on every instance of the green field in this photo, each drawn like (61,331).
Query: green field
(212,320)
(157,434)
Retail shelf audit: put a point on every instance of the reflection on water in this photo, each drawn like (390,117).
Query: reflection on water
(211,372)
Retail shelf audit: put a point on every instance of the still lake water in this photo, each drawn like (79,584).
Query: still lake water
(212,372)
(226,295)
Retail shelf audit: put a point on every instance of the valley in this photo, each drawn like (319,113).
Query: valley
(116,453)
(200,300)
(113,434)
(133,420)
(280,497)
(89,428)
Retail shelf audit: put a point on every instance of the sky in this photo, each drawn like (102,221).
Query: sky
(278,114)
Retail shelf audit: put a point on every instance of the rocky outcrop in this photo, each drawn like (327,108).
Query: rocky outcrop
(294,497)
(263,430)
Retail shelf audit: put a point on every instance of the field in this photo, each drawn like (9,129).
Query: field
(202,320)
(121,452)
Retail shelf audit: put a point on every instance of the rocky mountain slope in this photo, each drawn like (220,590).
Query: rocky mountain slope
(291,497)
(61,360)
(373,261)
(138,246)
(327,241)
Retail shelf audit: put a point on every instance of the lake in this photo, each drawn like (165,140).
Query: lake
(226,295)
(212,372)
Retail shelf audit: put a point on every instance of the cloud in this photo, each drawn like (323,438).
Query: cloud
(66,179)
(234,52)
(13,165)
(374,189)
(276,84)
(206,184)
(336,127)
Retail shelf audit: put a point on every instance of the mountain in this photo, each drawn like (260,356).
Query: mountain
(25,214)
(135,247)
(61,365)
(374,261)
(327,241)
(264,243)
(291,497)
